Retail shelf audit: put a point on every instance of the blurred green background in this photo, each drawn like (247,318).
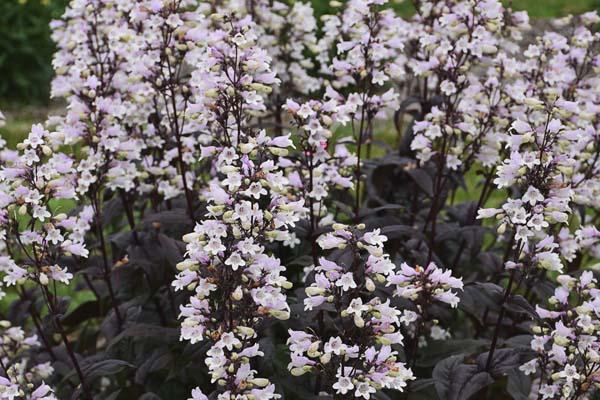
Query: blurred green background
(26,51)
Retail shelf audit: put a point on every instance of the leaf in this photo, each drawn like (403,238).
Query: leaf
(379,395)
(174,222)
(422,179)
(503,361)
(519,385)
(102,368)
(149,396)
(83,312)
(455,380)
(365,212)
(518,304)
(440,349)
(112,209)
(113,395)
(521,342)
(420,384)
(476,297)
(395,231)
(159,359)
(146,331)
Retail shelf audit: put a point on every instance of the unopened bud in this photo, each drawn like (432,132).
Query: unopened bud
(44,279)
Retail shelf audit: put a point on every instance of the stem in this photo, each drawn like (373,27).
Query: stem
(507,292)
(130,216)
(36,321)
(106,267)
(68,346)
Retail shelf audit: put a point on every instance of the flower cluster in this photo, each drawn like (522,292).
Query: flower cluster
(92,78)
(544,199)
(454,39)
(424,287)
(288,33)
(20,378)
(36,231)
(357,355)
(175,40)
(565,339)
(313,172)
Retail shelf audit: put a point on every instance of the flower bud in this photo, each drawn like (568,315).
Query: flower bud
(299,371)
(44,279)
(359,321)
(187,265)
(314,291)
(260,382)
(191,237)
(281,315)
(237,294)
(246,331)
(370,285)
(502,228)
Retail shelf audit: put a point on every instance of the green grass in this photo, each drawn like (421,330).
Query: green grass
(536,8)
(19,121)
(554,8)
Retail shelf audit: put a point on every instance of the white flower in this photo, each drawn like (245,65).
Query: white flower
(532,196)
(364,390)
(529,367)
(335,346)
(41,213)
(229,341)
(346,282)
(569,373)
(214,246)
(343,385)
(408,317)
(374,238)
(356,306)
(198,395)
(235,261)
(439,333)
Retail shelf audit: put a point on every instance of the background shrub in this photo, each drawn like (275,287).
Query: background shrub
(26,49)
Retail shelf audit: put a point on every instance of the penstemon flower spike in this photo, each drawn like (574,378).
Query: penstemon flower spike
(357,359)
(20,378)
(237,286)
(35,231)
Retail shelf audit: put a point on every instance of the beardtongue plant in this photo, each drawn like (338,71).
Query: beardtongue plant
(237,285)
(37,234)
(243,201)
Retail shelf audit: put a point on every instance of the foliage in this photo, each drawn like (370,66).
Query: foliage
(26,49)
